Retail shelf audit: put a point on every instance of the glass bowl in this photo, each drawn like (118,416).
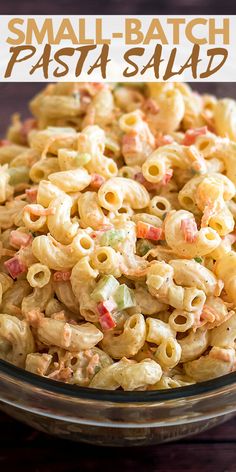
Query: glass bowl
(114,418)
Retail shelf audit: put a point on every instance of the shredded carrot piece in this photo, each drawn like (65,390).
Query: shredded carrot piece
(189,229)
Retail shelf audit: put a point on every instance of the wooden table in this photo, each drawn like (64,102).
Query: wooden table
(23,449)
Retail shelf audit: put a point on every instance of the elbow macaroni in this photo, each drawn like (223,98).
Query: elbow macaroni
(117,237)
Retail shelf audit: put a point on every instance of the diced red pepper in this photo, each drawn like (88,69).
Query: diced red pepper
(108,305)
(61,276)
(192,134)
(131,143)
(15,267)
(106,321)
(4,142)
(97,181)
(20,239)
(105,318)
(31,194)
(189,229)
(167,177)
(146,231)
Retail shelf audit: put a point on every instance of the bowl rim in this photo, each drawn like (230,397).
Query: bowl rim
(115,396)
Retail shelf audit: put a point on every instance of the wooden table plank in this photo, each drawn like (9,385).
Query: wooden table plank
(213,451)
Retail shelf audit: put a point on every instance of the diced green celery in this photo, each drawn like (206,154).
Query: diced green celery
(198,259)
(113,237)
(82,159)
(18,175)
(143,246)
(124,297)
(105,288)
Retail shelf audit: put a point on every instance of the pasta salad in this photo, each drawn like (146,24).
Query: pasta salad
(117,236)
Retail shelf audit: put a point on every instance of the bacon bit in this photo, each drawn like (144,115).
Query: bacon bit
(151,106)
(167,177)
(15,267)
(96,181)
(189,229)
(147,231)
(5,142)
(150,186)
(27,126)
(163,139)
(19,239)
(61,276)
(105,318)
(139,177)
(131,143)
(192,134)
(31,194)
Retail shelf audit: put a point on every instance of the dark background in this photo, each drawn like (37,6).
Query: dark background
(107,7)
(23,449)
(14,97)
